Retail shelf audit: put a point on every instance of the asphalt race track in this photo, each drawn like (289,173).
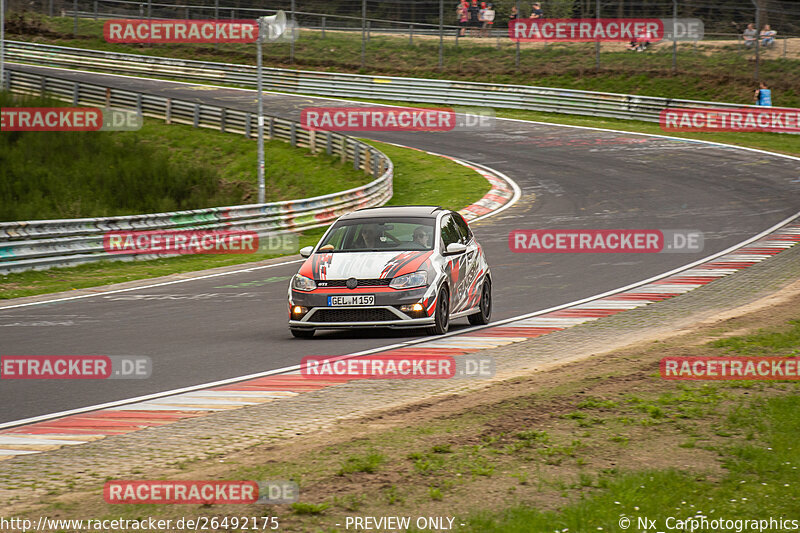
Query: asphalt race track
(233,325)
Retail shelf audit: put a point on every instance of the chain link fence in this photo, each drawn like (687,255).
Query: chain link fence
(408,37)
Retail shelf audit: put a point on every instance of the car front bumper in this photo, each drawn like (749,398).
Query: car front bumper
(391,318)
(385,313)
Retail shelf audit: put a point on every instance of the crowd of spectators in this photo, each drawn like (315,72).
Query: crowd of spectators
(767,36)
(477,18)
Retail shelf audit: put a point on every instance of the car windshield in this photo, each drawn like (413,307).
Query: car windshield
(374,235)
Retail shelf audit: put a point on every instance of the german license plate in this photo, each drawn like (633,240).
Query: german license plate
(351,299)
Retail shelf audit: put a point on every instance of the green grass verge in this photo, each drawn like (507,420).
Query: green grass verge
(160,168)
(760,467)
(419,179)
(424,179)
(706,72)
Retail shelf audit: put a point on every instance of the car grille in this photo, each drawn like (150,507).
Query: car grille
(361,282)
(353,315)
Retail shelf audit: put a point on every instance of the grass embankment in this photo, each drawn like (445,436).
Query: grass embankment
(569,449)
(419,179)
(706,72)
(52,175)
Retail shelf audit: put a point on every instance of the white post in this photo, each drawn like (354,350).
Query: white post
(261,185)
(269,29)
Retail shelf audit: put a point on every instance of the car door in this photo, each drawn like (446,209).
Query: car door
(472,267)
(456,264)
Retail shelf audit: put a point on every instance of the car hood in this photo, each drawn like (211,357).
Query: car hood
(363,265)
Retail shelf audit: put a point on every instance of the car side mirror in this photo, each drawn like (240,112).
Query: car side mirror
(455,248)
(306,252)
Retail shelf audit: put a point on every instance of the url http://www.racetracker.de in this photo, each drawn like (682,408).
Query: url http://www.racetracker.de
(701,522)
(150,524)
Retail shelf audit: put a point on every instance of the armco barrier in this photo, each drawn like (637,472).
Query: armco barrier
(40,244)
(553,100)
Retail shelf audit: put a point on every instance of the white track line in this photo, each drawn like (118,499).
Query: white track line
(113,291)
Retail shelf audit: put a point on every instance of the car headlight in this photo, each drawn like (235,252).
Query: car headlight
(409,281)
(302,283)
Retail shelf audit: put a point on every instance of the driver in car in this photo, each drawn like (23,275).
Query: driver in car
(422,236)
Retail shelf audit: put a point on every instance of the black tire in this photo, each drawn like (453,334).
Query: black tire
(442,314)
(485,305)
(302,333)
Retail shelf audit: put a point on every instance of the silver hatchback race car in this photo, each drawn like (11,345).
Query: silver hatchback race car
(395,267)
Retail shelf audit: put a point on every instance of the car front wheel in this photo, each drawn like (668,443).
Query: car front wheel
(442,314)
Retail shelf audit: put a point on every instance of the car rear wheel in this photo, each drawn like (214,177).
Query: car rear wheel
(302,333)
(442,314)
(485,305)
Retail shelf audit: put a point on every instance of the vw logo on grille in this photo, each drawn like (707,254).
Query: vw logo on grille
(351,283)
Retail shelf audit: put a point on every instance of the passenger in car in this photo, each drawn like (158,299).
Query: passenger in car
(368,238)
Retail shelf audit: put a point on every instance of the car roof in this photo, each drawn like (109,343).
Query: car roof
(419,211)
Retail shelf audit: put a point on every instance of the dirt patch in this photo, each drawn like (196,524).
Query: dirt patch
(19,24)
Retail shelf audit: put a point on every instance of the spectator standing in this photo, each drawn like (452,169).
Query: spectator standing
(481,21)
(488,19)
(462,12)
(768,36)
(763,95)
(749,35)
(536,11)
(474,9)
(514,15)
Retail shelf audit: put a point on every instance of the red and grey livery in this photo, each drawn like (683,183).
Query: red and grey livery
(391,284)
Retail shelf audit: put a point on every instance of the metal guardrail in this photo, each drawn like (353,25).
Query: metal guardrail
(40,244)
(418,90)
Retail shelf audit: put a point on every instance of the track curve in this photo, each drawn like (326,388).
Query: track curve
(232,325)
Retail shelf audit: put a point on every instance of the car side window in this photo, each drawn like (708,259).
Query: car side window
(450,233)
(466,233)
